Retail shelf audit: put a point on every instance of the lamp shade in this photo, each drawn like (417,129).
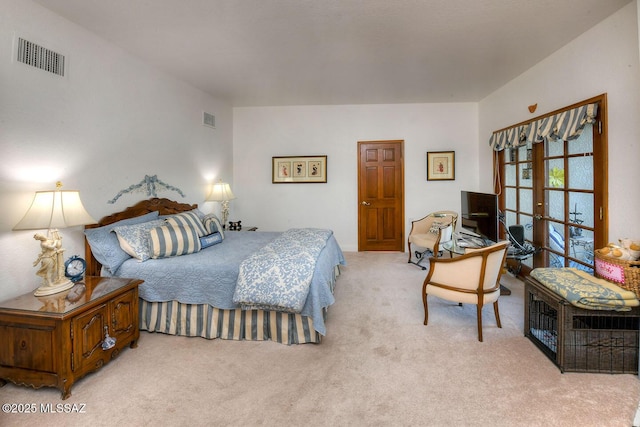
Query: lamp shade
(55,209)
(221,192)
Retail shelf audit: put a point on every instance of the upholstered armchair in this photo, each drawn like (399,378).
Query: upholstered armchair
(429,232)
(472,278)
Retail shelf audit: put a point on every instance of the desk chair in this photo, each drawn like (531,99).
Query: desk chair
(429,232)
(519,250)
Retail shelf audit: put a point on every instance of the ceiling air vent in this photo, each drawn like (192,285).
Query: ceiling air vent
(209,120)
(37,56)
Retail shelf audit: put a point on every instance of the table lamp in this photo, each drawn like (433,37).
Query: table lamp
(222,193)
(52,210)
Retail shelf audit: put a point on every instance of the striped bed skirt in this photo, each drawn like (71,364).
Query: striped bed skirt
(203,320)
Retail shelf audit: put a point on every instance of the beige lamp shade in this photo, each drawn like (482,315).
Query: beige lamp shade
(55,209)
(221,192)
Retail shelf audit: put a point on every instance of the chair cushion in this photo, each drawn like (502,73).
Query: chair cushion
(424,240)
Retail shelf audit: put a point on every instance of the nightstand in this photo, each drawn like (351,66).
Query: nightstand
(53,341)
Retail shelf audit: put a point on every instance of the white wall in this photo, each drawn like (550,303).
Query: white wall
(602,60)
(112,120)
(263,132)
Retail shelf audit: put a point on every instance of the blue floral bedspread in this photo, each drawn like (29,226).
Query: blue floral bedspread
(584,290)
(278,276)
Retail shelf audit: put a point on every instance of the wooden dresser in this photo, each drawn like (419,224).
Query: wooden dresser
(53,341)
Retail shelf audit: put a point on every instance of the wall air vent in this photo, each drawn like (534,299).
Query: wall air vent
(37,56)
(209,120)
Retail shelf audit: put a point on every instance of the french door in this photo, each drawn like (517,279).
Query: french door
(556,189)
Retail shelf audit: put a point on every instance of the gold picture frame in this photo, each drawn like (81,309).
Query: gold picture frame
(441,165)
(298,169)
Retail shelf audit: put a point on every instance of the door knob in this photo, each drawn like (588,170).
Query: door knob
(537,216)
(365,203)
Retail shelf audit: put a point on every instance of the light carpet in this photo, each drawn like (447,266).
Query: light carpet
(377,366)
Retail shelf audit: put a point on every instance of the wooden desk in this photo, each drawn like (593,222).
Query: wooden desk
(54,340)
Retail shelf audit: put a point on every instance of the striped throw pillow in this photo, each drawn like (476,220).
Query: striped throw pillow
(188,220)
(173,240)
(212,225)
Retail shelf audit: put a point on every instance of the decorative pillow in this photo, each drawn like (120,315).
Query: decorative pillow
(134,239)
(104,242)
(212,224)
(173,240)
(211,239)
(188,220)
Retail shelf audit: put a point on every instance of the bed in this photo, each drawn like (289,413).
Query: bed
(199,293)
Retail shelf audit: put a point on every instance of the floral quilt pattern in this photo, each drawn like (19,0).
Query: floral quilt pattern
(278,276)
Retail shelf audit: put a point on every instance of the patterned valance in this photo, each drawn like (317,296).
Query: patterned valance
(566,126)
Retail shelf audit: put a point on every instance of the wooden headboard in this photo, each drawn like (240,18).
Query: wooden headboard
(164,206)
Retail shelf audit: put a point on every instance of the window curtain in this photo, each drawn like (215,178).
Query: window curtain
(566,126)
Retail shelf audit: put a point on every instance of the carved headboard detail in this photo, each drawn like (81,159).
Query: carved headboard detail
(164,206)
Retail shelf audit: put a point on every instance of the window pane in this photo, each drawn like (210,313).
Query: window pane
(581,173)
(555,173)
(511,199)
(581,247)
(581,209)
(526,174)
(555,148)
(555,204)
(584,143)
(526,200)
(527,222)
(510,174)
(524,154)
(556,238)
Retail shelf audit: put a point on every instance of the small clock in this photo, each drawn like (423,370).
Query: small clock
(74,268)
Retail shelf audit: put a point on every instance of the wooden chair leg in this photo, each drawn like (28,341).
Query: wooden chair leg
(495,310)
(426,308)
(479,322)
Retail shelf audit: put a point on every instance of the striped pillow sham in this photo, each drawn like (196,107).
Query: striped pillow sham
(212,225)
(173,240)
(188,220)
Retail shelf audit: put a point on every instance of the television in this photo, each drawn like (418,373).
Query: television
(479,216)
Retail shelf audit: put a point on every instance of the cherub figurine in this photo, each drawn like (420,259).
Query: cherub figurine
(57,238)
(48,259)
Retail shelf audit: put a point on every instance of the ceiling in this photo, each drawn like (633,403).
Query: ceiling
(317,52)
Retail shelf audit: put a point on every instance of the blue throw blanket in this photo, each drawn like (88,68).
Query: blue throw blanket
(585,291)
(278,276)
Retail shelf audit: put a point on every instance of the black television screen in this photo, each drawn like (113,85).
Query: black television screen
(479,213)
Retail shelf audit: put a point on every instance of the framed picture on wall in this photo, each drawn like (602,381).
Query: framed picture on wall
(441,165)
(298,169)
